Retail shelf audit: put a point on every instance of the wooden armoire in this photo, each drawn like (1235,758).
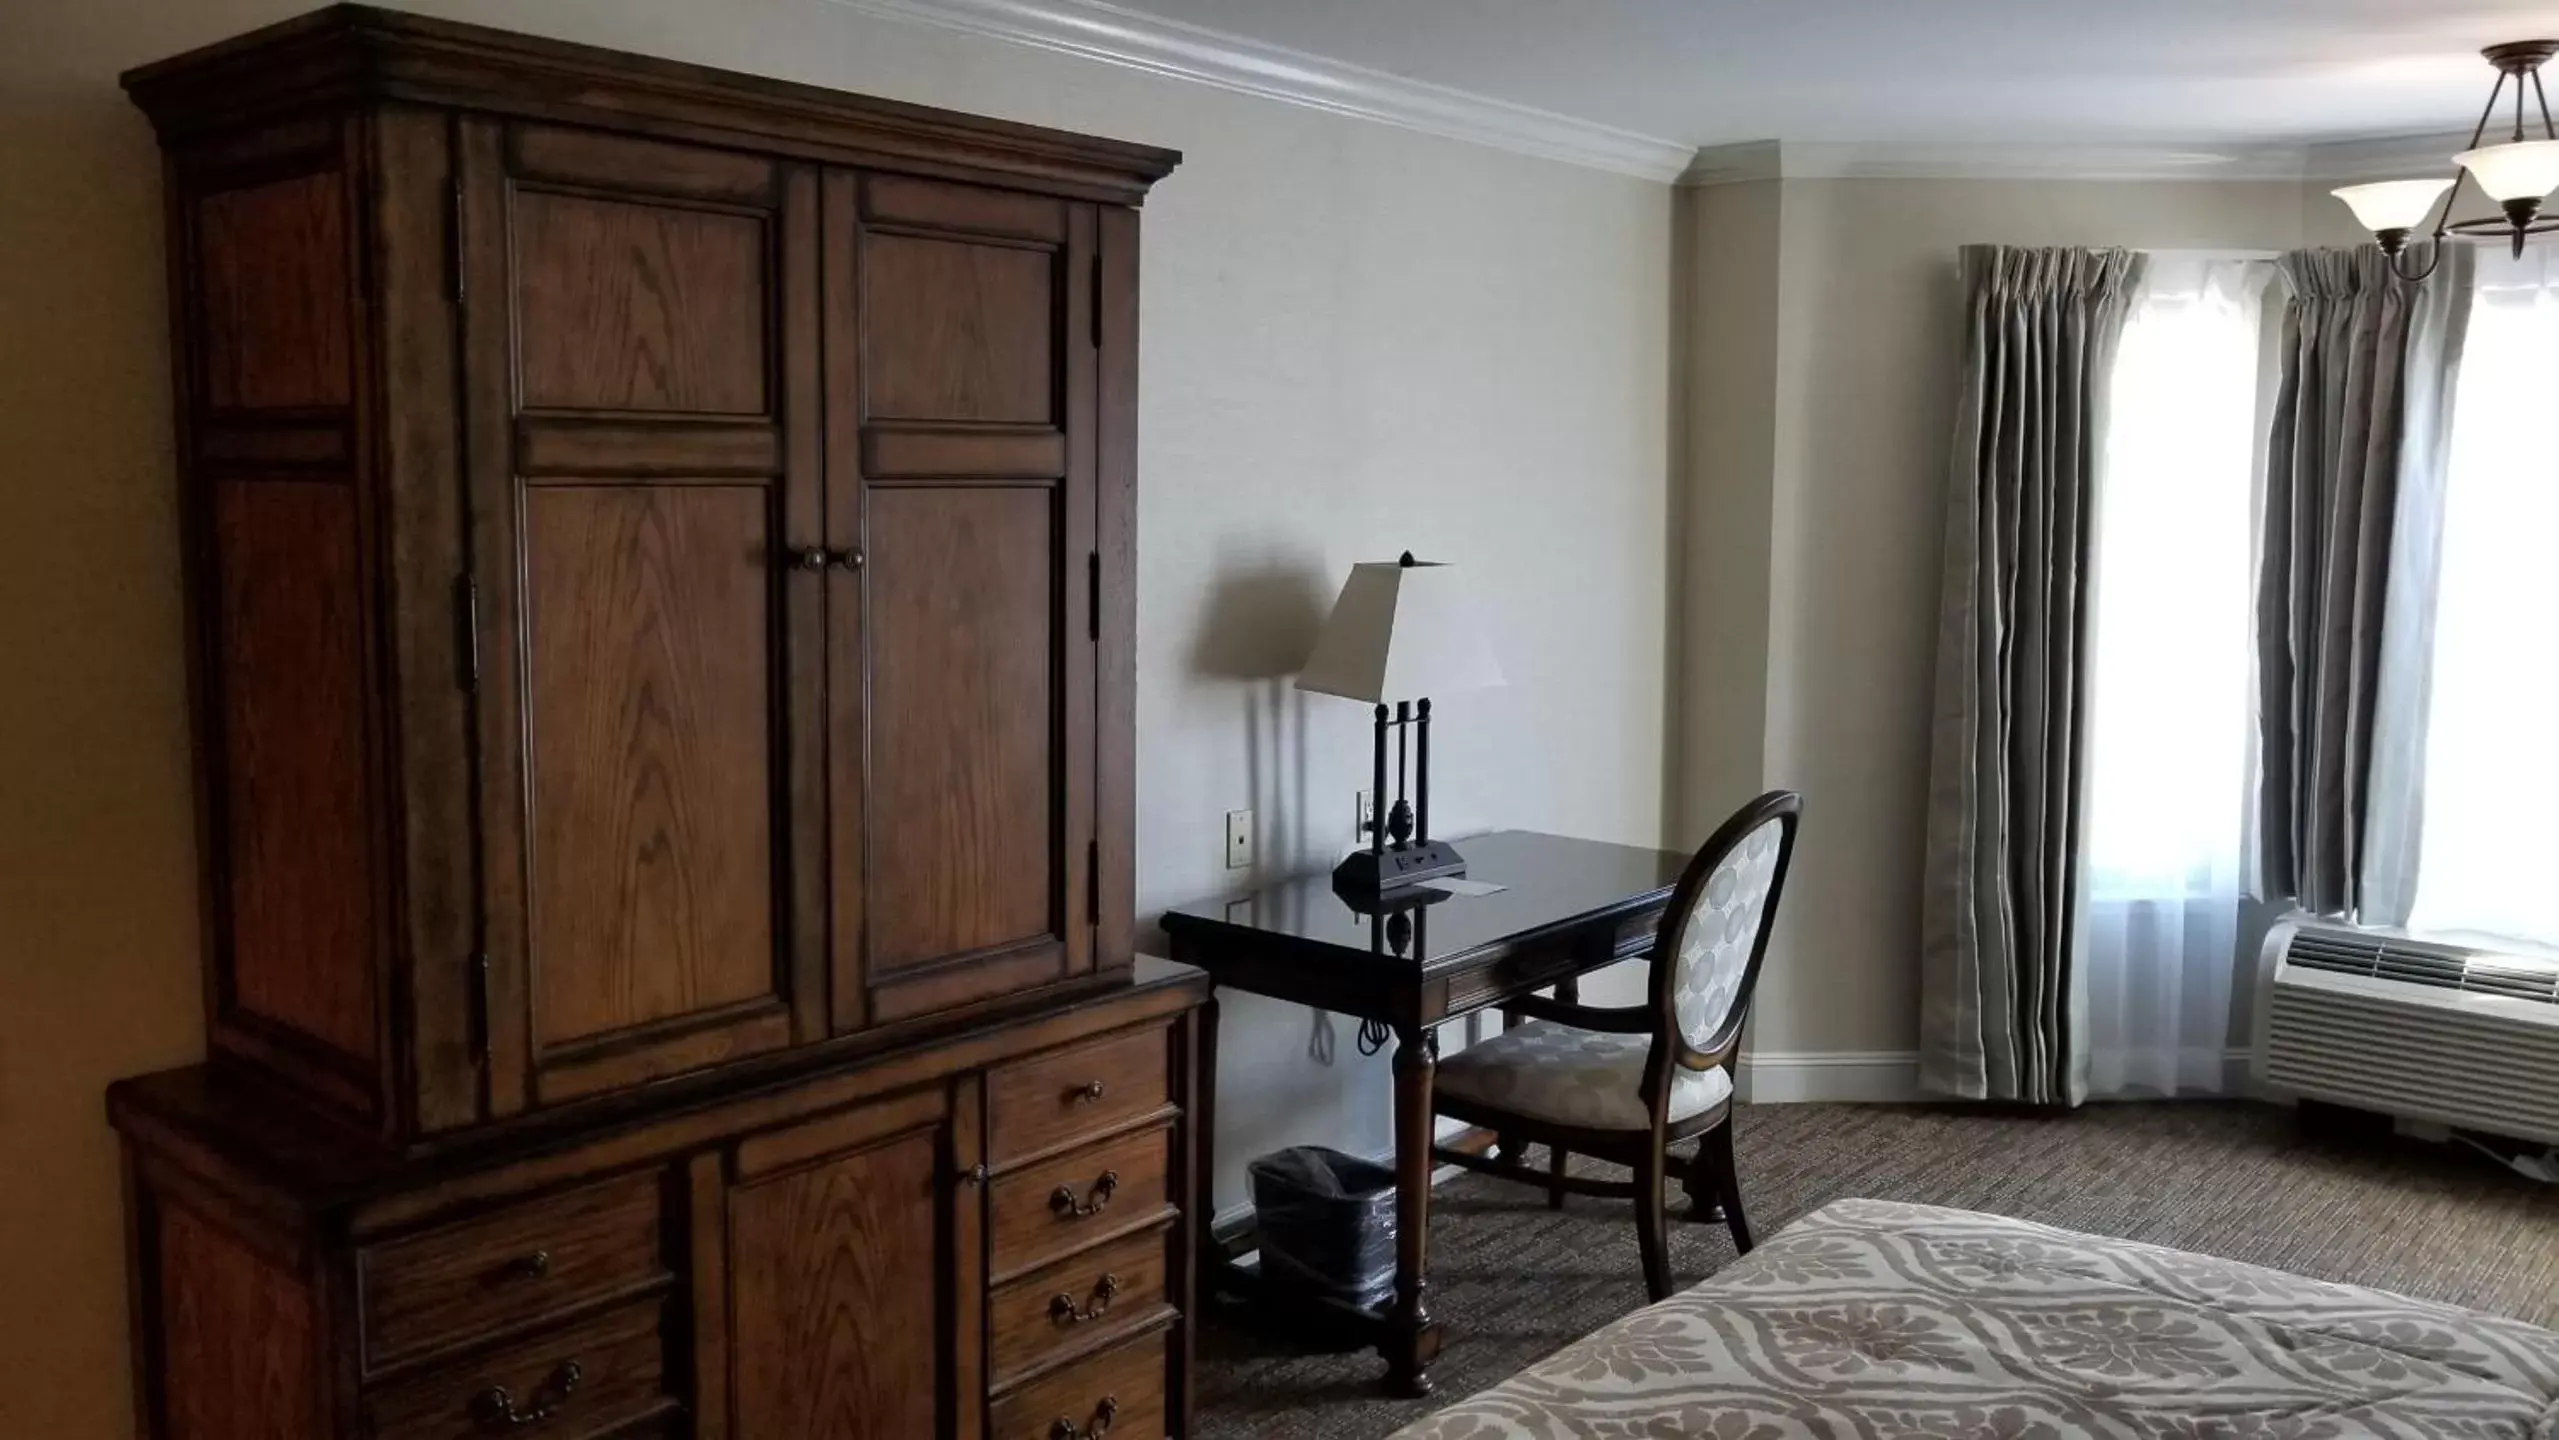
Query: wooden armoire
(659,546)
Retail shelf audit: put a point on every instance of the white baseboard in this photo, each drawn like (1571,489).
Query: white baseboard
(1787,1077)
(1884,1077)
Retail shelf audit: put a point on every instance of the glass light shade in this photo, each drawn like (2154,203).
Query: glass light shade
(2523,170)
(2392,204)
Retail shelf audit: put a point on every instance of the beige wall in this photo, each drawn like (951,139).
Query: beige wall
(1355,340)
(1859,404)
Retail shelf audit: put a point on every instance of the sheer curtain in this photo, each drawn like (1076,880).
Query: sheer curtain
(2487,850)
(2169,684)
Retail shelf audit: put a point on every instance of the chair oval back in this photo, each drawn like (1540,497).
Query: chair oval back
(1715,932)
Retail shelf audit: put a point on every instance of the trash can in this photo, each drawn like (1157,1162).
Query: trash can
(1326,1222)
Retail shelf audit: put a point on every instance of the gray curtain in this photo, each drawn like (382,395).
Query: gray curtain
(2362,350)
(1999,1013)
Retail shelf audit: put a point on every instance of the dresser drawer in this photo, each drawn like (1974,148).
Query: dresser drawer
(517,1265)
(1118,1393)
(592,1379)
(1057,1098)
(1043,1211)
(1112,1287)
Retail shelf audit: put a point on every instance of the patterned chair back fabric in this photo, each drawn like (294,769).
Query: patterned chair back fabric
(1723,926)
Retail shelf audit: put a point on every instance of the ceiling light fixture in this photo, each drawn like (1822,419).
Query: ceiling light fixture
(2518,174)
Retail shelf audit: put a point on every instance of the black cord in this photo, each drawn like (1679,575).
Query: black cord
(1374,1035)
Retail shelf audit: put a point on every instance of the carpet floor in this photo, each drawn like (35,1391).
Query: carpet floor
(1514,1281)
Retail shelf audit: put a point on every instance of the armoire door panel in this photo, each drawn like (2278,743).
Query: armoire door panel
(963,627)
(650,724)
(960,442)
(960,330)
(643,485)
(645,306)
(837,1300)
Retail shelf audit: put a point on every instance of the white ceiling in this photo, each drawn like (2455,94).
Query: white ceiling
(2130,72)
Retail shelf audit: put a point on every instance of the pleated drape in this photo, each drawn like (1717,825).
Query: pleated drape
(1999,1016)
(2362,350)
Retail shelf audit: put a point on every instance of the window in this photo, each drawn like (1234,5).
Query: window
(2488,847)
(2169,727)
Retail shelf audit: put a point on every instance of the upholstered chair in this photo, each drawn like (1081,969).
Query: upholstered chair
(1625,1084)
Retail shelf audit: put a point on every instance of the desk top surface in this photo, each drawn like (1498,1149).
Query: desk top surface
(1547,880)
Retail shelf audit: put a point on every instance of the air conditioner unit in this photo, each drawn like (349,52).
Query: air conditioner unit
(2414,1028)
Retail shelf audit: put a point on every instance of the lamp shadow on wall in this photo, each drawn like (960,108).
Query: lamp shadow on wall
(1260,622)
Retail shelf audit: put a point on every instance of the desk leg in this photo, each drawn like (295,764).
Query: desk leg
(1412,1337)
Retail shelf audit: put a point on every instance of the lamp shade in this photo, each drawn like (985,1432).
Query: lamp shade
(2523,170)
(2393,204)
(1401,630)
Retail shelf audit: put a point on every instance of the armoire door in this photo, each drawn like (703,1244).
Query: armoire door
(641,369)
(960,362)
(854,1268)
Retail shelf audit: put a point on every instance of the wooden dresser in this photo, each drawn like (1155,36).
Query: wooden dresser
(660,552)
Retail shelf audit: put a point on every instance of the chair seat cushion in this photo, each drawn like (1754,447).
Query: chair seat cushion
(1587,1078)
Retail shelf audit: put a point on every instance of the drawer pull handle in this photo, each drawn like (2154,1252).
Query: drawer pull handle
(1064,1312)
(1103,1414)
(527,1267)
(974,1175)
(1063,1201)
(1088,1092)
(497,1408)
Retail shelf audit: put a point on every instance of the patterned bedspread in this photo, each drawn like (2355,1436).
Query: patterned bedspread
(1872,1320)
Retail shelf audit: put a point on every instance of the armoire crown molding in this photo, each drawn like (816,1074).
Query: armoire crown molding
(1118,36)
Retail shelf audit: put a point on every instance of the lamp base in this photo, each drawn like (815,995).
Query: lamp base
(1372,872)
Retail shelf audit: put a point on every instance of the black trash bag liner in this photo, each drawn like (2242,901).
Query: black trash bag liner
(1326,1222)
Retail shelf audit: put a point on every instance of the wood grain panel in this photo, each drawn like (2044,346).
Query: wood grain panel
(546,446)
(931,205)
(1126,1384)
(592,157)
(1056,1207)
(960,610)
(629,306)
(508,1268)
(621,1378)
(289,659)
(236,1341)
(1047,1100)
(834,1287)
(273,294)
(1101,1292)
(960,331)
(892,452)
(651,720)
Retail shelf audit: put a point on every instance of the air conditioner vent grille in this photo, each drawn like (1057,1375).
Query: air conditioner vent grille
(2389,957)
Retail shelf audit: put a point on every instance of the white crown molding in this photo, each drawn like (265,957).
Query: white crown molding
(1852,160)
(1108,33)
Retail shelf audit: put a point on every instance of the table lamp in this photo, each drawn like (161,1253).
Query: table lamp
(1401,630)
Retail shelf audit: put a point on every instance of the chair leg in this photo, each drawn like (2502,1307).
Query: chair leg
(1729,1181)
(1556,1156)
(1652,1223)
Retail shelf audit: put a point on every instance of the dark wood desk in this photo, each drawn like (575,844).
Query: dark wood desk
(1569,907)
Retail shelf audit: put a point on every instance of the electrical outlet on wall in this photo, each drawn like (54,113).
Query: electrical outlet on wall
(1239,839)
(1364,808)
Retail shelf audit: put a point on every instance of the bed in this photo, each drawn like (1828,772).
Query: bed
(1872,1319)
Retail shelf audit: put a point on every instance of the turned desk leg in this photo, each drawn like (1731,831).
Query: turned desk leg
(1412,1337)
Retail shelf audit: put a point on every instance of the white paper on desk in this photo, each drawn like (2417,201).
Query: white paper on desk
(1460,885)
